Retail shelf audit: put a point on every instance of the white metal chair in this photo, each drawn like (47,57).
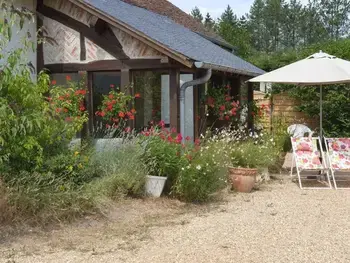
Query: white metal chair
(338,156)
(306,157)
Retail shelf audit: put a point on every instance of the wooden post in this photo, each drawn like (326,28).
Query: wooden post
(235,88)
(250,106)
(125,81)
(40,49)
(90,104)
(174,81)
(82,48)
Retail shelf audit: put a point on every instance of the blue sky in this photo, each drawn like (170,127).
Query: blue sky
(216,7)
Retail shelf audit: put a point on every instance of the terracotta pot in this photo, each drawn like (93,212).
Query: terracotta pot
(242,179)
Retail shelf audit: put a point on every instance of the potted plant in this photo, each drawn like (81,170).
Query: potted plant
(162,158)
(248,158)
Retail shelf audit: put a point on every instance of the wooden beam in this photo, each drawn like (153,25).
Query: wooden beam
(111,65)
(82,48)
(39,48)
(107,42)
(250,105)
(174,83)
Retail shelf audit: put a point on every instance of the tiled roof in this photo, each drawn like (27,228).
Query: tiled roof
(174,36)
(165,8)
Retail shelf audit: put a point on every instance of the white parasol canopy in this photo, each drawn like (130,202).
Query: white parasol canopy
(317,69)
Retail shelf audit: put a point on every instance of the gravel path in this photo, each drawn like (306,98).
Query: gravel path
(280,223)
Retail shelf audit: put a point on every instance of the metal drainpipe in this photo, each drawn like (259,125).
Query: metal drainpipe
(183,88)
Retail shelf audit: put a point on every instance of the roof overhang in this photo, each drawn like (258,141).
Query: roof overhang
(205,65)
(133,32)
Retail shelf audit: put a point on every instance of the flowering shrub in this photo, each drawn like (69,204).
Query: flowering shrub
(115,109)
(222,105)
(163,150)
(68,103)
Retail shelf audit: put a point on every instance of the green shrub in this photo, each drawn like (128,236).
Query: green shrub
(121,172)
(200,178)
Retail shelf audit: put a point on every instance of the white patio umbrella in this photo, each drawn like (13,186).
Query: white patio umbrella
(317,69)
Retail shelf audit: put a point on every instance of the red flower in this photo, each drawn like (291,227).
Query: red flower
(197,142)
(80,92)
(110,107)
(188,138)
(222,107)
(189,157)
(121,114)
(61,98)
(111,96)
(58,110)
(82,108)
(179,138)
(133,111)
(211,102)
(170,139)
(173,130)
(68,78)
(49,99)
(65,110)
(162,124)
(108,126)
(131,117)
(127,130)
(68,119)
(227,118)
(53,82)
(111,86)
(137,95)
(67,95)
(234,111)
(102,113)
(227,98)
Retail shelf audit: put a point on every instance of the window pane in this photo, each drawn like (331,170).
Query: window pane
(102,82)
(149,106)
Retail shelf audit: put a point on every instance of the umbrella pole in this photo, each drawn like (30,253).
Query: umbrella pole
(321,112)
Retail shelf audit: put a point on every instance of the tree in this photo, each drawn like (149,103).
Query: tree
(273,19)
(257,26)
(335,17)
(312,29)
(209,23)
(228,16)
(291,24)
(196,13)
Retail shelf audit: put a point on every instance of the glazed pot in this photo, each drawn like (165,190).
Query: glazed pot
(242,179)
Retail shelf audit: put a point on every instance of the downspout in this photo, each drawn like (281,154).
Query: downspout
(183,88)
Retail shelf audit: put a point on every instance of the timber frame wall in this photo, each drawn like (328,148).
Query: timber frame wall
(101,34)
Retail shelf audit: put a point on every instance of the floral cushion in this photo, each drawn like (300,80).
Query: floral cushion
(340,160)
(339,145)
(307,160)
(303,144)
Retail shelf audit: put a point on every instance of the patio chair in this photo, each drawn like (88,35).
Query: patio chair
(306,157)
(338,153)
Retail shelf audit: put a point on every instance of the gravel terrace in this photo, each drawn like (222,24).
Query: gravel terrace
(278,223)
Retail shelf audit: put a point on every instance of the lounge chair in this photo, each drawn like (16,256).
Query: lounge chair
(306,157)
(338,153)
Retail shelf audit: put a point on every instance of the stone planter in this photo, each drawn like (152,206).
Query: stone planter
(242,179)
(155,185)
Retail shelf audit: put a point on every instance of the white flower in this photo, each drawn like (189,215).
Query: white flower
(183,169)
(198,167)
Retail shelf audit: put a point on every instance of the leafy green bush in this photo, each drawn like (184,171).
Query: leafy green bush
(202,176)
